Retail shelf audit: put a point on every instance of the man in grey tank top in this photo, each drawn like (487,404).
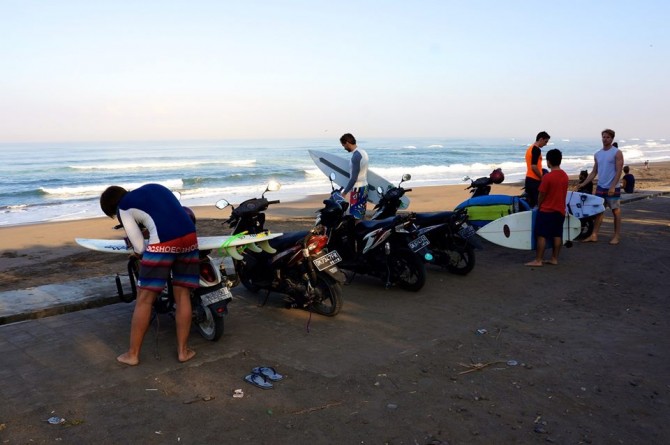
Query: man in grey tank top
(608,163)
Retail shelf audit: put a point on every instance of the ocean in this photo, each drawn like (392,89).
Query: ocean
(63,181)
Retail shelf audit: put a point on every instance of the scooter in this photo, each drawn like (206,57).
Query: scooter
(481,187)
(391,249)
(452,242)
(209,302)
(300,265)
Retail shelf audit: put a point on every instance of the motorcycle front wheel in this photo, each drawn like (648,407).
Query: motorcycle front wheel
(245,277)
(460,260)
(208,325)
(406,270)
(328,296)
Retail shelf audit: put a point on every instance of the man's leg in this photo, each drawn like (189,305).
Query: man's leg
(182,297)
(617,226)
(139,326)
(540,244)
(596,227)
(558,242)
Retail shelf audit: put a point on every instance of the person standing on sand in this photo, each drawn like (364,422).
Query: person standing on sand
(628,181)
(534,167)
(551,210)
(607,165)
(172,249)
(357,187)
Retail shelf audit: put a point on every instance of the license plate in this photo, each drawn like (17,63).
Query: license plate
(216,296)
(418,243)
(467,231)
(328,260)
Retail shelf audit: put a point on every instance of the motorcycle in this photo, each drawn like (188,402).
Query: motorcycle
(452,242)
(209,302)
(482,187)
(390,249)
(300,266)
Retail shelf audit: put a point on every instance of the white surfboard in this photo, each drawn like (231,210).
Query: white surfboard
(228,245)
(582,205)
(516,231)
(329,163)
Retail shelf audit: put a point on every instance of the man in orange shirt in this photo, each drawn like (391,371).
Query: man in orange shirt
(534,167)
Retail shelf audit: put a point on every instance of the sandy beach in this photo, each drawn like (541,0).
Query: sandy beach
(574,353)
(36,254)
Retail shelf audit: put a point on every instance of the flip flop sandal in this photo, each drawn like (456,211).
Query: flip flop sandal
(258,380)
(268,372)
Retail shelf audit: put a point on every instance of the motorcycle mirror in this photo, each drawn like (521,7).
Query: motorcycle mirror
(406,177)
(466,178)
(380,190)
(221,204)
(273,186)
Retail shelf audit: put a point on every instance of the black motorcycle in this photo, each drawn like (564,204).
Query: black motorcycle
(452,240)
(390,249)
(301,266)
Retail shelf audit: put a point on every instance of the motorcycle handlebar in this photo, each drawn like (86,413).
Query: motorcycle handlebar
(273,202)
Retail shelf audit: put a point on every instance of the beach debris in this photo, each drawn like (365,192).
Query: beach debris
(317,408)
(512,363)
(477,366)
(55,420)
(238,394)
(392,406)
(482,331)
(198,399)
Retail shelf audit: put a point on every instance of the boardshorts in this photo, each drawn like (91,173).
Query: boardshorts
(179,257)
(549,224)
(614,201)
(358,200)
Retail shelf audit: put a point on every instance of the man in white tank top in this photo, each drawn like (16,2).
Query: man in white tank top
(608,164)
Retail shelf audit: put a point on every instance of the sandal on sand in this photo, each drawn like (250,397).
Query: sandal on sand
(268,372)
(258,380)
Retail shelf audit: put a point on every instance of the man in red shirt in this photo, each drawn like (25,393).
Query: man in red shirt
(551,209)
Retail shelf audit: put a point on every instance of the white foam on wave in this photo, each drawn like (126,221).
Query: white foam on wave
(162,165)
(96,189)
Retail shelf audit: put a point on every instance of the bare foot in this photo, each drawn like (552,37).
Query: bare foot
(551,262)
(127,359)
(614,241)
(534,263)
(187,355)
(590,239)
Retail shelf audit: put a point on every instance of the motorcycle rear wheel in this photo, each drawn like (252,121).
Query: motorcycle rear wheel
(210,326)
(407,270)
(328,299)
(245,277)
(460,260)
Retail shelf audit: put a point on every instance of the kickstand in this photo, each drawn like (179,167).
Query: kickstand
(348,280)
(267,296)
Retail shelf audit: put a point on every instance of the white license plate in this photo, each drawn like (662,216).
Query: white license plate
(467,231)
(328,260)
(418,243)
(216,296)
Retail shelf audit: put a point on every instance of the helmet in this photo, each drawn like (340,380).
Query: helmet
(190,213)
(497,176)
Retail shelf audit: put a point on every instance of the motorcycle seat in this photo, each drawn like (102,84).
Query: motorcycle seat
(287,240)
(429,219)
(364,227)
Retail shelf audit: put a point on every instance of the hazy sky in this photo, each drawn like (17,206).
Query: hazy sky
(136,70)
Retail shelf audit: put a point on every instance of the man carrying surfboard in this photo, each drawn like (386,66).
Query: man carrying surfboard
(534,167)
(551,210)
(608,165)
(357,187)
(172,249)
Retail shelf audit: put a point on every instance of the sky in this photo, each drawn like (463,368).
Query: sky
(218,69)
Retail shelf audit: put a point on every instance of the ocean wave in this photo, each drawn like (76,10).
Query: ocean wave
(85,191)
(162,165)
